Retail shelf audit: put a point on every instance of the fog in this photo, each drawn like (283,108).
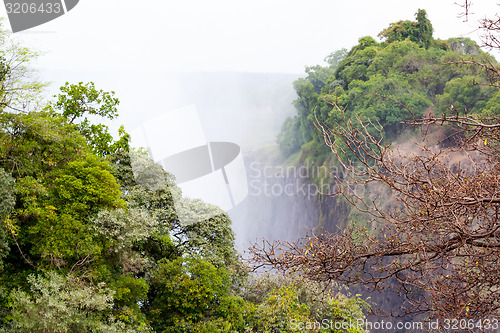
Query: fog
(226,59)
(279,36)
(243,108)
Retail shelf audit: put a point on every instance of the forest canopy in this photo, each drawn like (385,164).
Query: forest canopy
(413,125)
(377,80)
(90,240)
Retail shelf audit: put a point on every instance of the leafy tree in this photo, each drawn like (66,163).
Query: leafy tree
(419,32)
(424,28)
(37,142)
(334,58)
(464,94)
(7,198)
(20,90)
(280,308)
(54,211)
(377,80)
(423,217)
(288,139)
(203,230)
(299,130)
(282,300)
(192,294)
(60,304)
(76,102)
(122,229)
(435,232)
(355,64)
(90,237)
(211,238)
(463,45)
(7,202)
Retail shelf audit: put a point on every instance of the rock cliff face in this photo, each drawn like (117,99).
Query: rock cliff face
(278,206)
(284,204)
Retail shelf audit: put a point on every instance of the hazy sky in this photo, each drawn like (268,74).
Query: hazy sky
(226,35)
(130,46)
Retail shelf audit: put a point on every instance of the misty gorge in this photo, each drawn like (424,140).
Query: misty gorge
(359,196)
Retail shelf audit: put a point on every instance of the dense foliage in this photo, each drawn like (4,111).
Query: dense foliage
(90,239)
(412,126)
(383,81)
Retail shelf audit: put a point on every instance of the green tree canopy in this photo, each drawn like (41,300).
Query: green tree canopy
(419,31)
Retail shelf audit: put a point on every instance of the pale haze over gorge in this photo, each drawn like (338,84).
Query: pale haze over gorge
(234,60)
(221,35)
